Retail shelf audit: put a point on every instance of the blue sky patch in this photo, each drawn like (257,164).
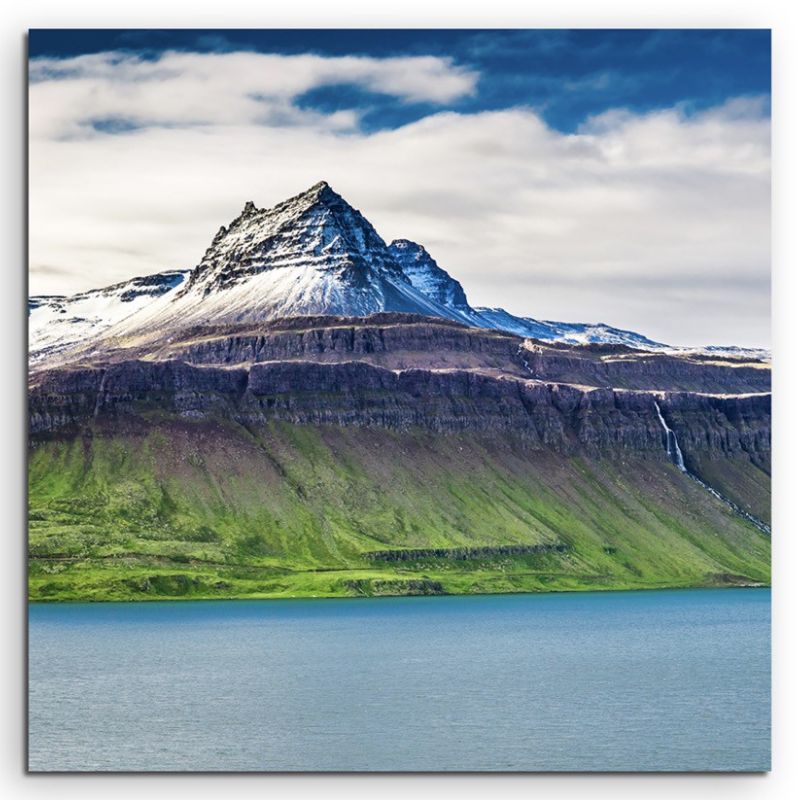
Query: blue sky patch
(565,75)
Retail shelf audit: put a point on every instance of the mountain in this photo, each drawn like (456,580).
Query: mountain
(313,254)
(393,454)
(310,411)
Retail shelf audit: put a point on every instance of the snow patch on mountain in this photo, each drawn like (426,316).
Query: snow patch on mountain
(566,332)
(56,323)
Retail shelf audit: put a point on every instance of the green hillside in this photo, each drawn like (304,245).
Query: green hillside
(203,509)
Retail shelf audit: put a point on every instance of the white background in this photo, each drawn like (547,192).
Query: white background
(17,17)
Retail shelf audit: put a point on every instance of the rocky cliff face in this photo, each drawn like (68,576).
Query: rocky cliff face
(389,340)
(565,419)
(398,341)
(400,372)
(608,365)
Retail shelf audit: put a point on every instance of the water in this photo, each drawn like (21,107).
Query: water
(658,680)
(673,448)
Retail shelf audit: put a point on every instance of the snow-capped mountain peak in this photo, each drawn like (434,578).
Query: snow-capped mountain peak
(316,229)
(311,254)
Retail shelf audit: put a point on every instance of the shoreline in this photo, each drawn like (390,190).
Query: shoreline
(255,597)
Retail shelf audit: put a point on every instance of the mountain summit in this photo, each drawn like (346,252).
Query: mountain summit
(315,230)
(311,254)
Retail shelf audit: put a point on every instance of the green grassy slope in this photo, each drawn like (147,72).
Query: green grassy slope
(737,479)
(202,509)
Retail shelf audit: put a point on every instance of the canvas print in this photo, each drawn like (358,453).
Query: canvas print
(399,400)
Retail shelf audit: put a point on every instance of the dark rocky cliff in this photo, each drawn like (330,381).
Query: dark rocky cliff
(567,419)
(403,341)
(620,366)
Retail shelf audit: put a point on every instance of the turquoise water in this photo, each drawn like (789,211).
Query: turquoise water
(662,680)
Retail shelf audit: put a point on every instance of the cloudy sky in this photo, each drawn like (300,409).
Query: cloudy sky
(614,176)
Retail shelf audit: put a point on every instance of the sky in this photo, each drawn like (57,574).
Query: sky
(595,176)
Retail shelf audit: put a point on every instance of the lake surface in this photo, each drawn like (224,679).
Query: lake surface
(661,680)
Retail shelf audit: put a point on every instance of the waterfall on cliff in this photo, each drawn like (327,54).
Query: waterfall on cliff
(676,457)
(673,448)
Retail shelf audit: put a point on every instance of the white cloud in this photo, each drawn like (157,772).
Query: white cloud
(657,222)
(183,89)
